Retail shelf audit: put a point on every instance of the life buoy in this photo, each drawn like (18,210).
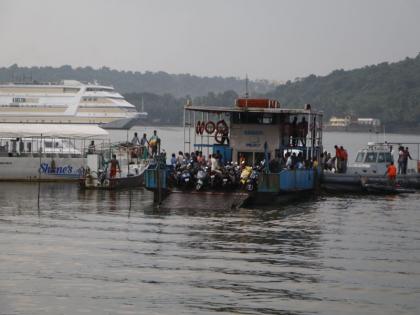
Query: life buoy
(199,128)
(222,126)
(210,127)
(218,137)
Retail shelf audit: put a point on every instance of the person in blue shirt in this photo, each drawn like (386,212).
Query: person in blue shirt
(173,160)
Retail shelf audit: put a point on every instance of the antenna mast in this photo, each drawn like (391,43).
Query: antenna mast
(246,86)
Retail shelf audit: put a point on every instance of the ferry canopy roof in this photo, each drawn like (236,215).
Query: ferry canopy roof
(234,109)
(52,131)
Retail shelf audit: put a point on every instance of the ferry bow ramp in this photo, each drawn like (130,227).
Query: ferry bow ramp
(204,200)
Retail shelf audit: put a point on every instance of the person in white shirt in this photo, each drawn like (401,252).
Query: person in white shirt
(135,140)
(289,162)
(214,163)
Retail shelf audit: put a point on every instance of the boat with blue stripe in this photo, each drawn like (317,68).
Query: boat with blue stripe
(281,145)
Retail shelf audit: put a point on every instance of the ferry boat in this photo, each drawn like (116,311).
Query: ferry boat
(45,152)
(67,102)
(369,170)
(252,131)
(132,163)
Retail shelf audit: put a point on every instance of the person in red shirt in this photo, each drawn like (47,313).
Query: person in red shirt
(114,166)
(344,158)
(391,172)
(338,158)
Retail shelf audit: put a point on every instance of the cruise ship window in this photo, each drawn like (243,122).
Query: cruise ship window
(381,158)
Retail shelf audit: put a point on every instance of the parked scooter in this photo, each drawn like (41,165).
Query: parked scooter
(201,178)
(246,172)
(216,179)
(252,180)
(185,177)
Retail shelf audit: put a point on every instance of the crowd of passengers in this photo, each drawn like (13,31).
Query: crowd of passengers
(337,163)
(215,161)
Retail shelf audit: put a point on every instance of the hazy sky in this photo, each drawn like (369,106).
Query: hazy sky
(277,40)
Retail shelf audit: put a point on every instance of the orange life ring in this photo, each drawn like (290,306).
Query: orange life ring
(210,127)
(222,127)
(218,137)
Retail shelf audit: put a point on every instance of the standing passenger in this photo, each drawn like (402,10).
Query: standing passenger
(173,160)
(135,140)
(91,148)
(344,158)
(391,172)
(114,165)
(338,158)
(295,132)
(401,160)
(405,159)
(303,131)
(180,158)
(154,142)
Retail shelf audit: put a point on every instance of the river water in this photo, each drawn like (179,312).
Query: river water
(99,252)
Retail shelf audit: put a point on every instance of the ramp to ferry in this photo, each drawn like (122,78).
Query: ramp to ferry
(204,200)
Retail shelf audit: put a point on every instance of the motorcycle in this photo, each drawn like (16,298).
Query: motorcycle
(252,180)
(185,177)
(246,172)
(201,178)
(216,180)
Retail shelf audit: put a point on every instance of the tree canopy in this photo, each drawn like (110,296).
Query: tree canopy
(178,85)
(388,91)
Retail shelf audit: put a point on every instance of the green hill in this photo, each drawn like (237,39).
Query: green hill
(178,85)
(388,91)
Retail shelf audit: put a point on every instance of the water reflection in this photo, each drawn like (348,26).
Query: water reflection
(96,251)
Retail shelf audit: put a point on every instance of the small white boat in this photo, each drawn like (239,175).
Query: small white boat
(45,152)
(96,173)
(369,168)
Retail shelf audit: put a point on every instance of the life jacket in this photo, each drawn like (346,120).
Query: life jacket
(391,171)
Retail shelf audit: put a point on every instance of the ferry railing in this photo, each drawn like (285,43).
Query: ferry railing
(288,180)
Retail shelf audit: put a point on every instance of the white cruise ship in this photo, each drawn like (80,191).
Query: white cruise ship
(69,102)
